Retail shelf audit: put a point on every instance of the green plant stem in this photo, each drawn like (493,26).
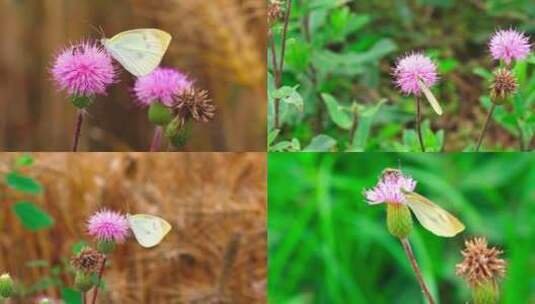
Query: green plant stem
(156,139)
(77,130)
(278,71)
(408,250)
(99,279)
(353,129)
(485,126)
(419,123)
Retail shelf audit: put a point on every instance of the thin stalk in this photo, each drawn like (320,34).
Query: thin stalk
(419,277)
(279,66)
(84,297)
(485,126)
(419,123)
(156,139)
(353,129)
(99,279)
(77,130)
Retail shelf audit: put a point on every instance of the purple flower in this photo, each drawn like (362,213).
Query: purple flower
(509,44)
(84,70)
(162,85)
(413,68)
(108,225)
(390,188)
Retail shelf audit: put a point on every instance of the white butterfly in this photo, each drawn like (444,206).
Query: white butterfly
(139,51)
(149,230)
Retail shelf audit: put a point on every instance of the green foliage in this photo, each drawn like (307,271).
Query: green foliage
(31,216)
(326,245)
(339,57)
(71,296)
(19,182)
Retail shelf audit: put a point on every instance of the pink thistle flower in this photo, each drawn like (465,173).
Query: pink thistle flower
(162,85)
(391,188)
(509,44)
(84,70)
(413,68)
(108,225)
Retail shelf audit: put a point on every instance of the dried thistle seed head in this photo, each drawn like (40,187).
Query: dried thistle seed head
(196,103)
(88,260)
(503,86)
(481,263)
(275,12)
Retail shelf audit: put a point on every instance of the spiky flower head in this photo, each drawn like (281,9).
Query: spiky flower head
(106,225)
(88,260)
(6,286)
(84,69)
(503,86)
(481,263)
(509,44)
(390,188)
(275,11)
(197,104)
(413,68)
(162,85)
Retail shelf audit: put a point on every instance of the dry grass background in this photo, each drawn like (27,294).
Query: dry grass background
(219,42)
(211,199)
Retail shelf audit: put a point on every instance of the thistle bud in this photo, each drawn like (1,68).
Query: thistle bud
(180,138)
(88,260)
(159,114)
(6,286)
(398,220)
(482,268)
(81,102)
(503,86)
(83,281)
(106,246)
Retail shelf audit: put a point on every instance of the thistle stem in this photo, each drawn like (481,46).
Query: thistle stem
(419,277)
(485,126)
(99,279)
(77,130)
(419,123)
(156,139)
(277,70)
(84,297)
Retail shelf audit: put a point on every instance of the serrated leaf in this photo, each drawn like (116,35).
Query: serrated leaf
(77,247)
(31,216)
(19,182)
(339,116)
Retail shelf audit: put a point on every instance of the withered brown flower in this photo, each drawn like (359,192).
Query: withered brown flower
(88,260)
(481,264)
(274,12)
(503,86)
(197,104)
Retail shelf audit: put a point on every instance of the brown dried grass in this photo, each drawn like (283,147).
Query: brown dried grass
(221,43)
(214,201)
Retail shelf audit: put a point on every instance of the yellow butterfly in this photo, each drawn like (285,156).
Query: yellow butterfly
(430,97)
(139,51)
(430,215)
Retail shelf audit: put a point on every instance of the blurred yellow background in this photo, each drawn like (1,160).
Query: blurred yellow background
(209,199)
(221,43)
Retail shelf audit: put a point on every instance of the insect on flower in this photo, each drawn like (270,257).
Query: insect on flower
(396,188)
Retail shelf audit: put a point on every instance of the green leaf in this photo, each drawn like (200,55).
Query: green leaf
(365,122)
(24,161)
(321,143)
(272,135)
(339,116)
(289,95)
(31,216)
(23,183)
(71,296)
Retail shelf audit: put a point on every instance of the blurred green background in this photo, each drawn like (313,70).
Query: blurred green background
(326,245)
(347,49)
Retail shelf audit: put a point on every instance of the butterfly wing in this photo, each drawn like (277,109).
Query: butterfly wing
(430,97)
(139,51)
(433,217)
(148,230)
